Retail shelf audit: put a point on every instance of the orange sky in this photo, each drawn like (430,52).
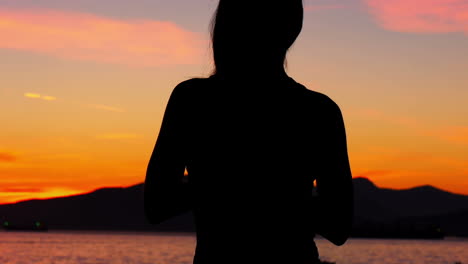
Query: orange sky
(84,86)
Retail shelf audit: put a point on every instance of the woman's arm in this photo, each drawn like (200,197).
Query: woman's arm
(165,194)
(334,185)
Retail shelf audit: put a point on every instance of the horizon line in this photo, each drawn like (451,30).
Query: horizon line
(142,183)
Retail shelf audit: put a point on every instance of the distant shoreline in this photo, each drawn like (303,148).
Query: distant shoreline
(193,234)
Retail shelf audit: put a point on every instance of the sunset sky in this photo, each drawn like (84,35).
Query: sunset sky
(84,83)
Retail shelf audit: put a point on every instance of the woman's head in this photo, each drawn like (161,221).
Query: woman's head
(248,33)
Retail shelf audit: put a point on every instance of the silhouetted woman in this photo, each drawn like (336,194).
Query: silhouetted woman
(253,141)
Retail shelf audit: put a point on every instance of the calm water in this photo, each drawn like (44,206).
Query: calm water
(147,248)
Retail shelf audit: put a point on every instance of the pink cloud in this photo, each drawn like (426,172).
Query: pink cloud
(87,37)
(421,16)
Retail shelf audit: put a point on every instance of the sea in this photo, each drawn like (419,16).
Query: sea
(81,247)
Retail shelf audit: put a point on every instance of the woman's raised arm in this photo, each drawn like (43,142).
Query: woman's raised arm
(165,193)
(334,182)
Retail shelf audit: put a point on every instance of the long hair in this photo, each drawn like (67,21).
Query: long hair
(254,31)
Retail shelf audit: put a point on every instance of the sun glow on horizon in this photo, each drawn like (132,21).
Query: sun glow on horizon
(18,195)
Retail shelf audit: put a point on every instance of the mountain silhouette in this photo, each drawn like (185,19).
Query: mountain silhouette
(103,209)
(376,209)
(420,211)
(373,203)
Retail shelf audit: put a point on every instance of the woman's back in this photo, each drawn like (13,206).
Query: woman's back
(253,150)
(253,141)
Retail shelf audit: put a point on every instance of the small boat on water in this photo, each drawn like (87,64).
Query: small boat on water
(29,226)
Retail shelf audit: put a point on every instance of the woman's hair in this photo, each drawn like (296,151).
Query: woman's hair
(258,31)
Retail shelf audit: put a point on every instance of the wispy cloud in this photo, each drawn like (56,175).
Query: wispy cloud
(7,157)
(49,98)
(118,136)
(32,95)
(38,96)
(421,16)
(107,108)
(21,190)
(14,193)
(88,37)
(95,106)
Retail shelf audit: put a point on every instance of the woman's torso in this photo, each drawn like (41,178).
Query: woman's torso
(253,151)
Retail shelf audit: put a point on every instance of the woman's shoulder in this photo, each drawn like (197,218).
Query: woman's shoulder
(192,83)
(193,87)
(189,88)
(319,99)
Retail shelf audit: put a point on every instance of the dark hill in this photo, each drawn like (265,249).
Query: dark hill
(122,209)
(425,209)
(103,209)
(382,204)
